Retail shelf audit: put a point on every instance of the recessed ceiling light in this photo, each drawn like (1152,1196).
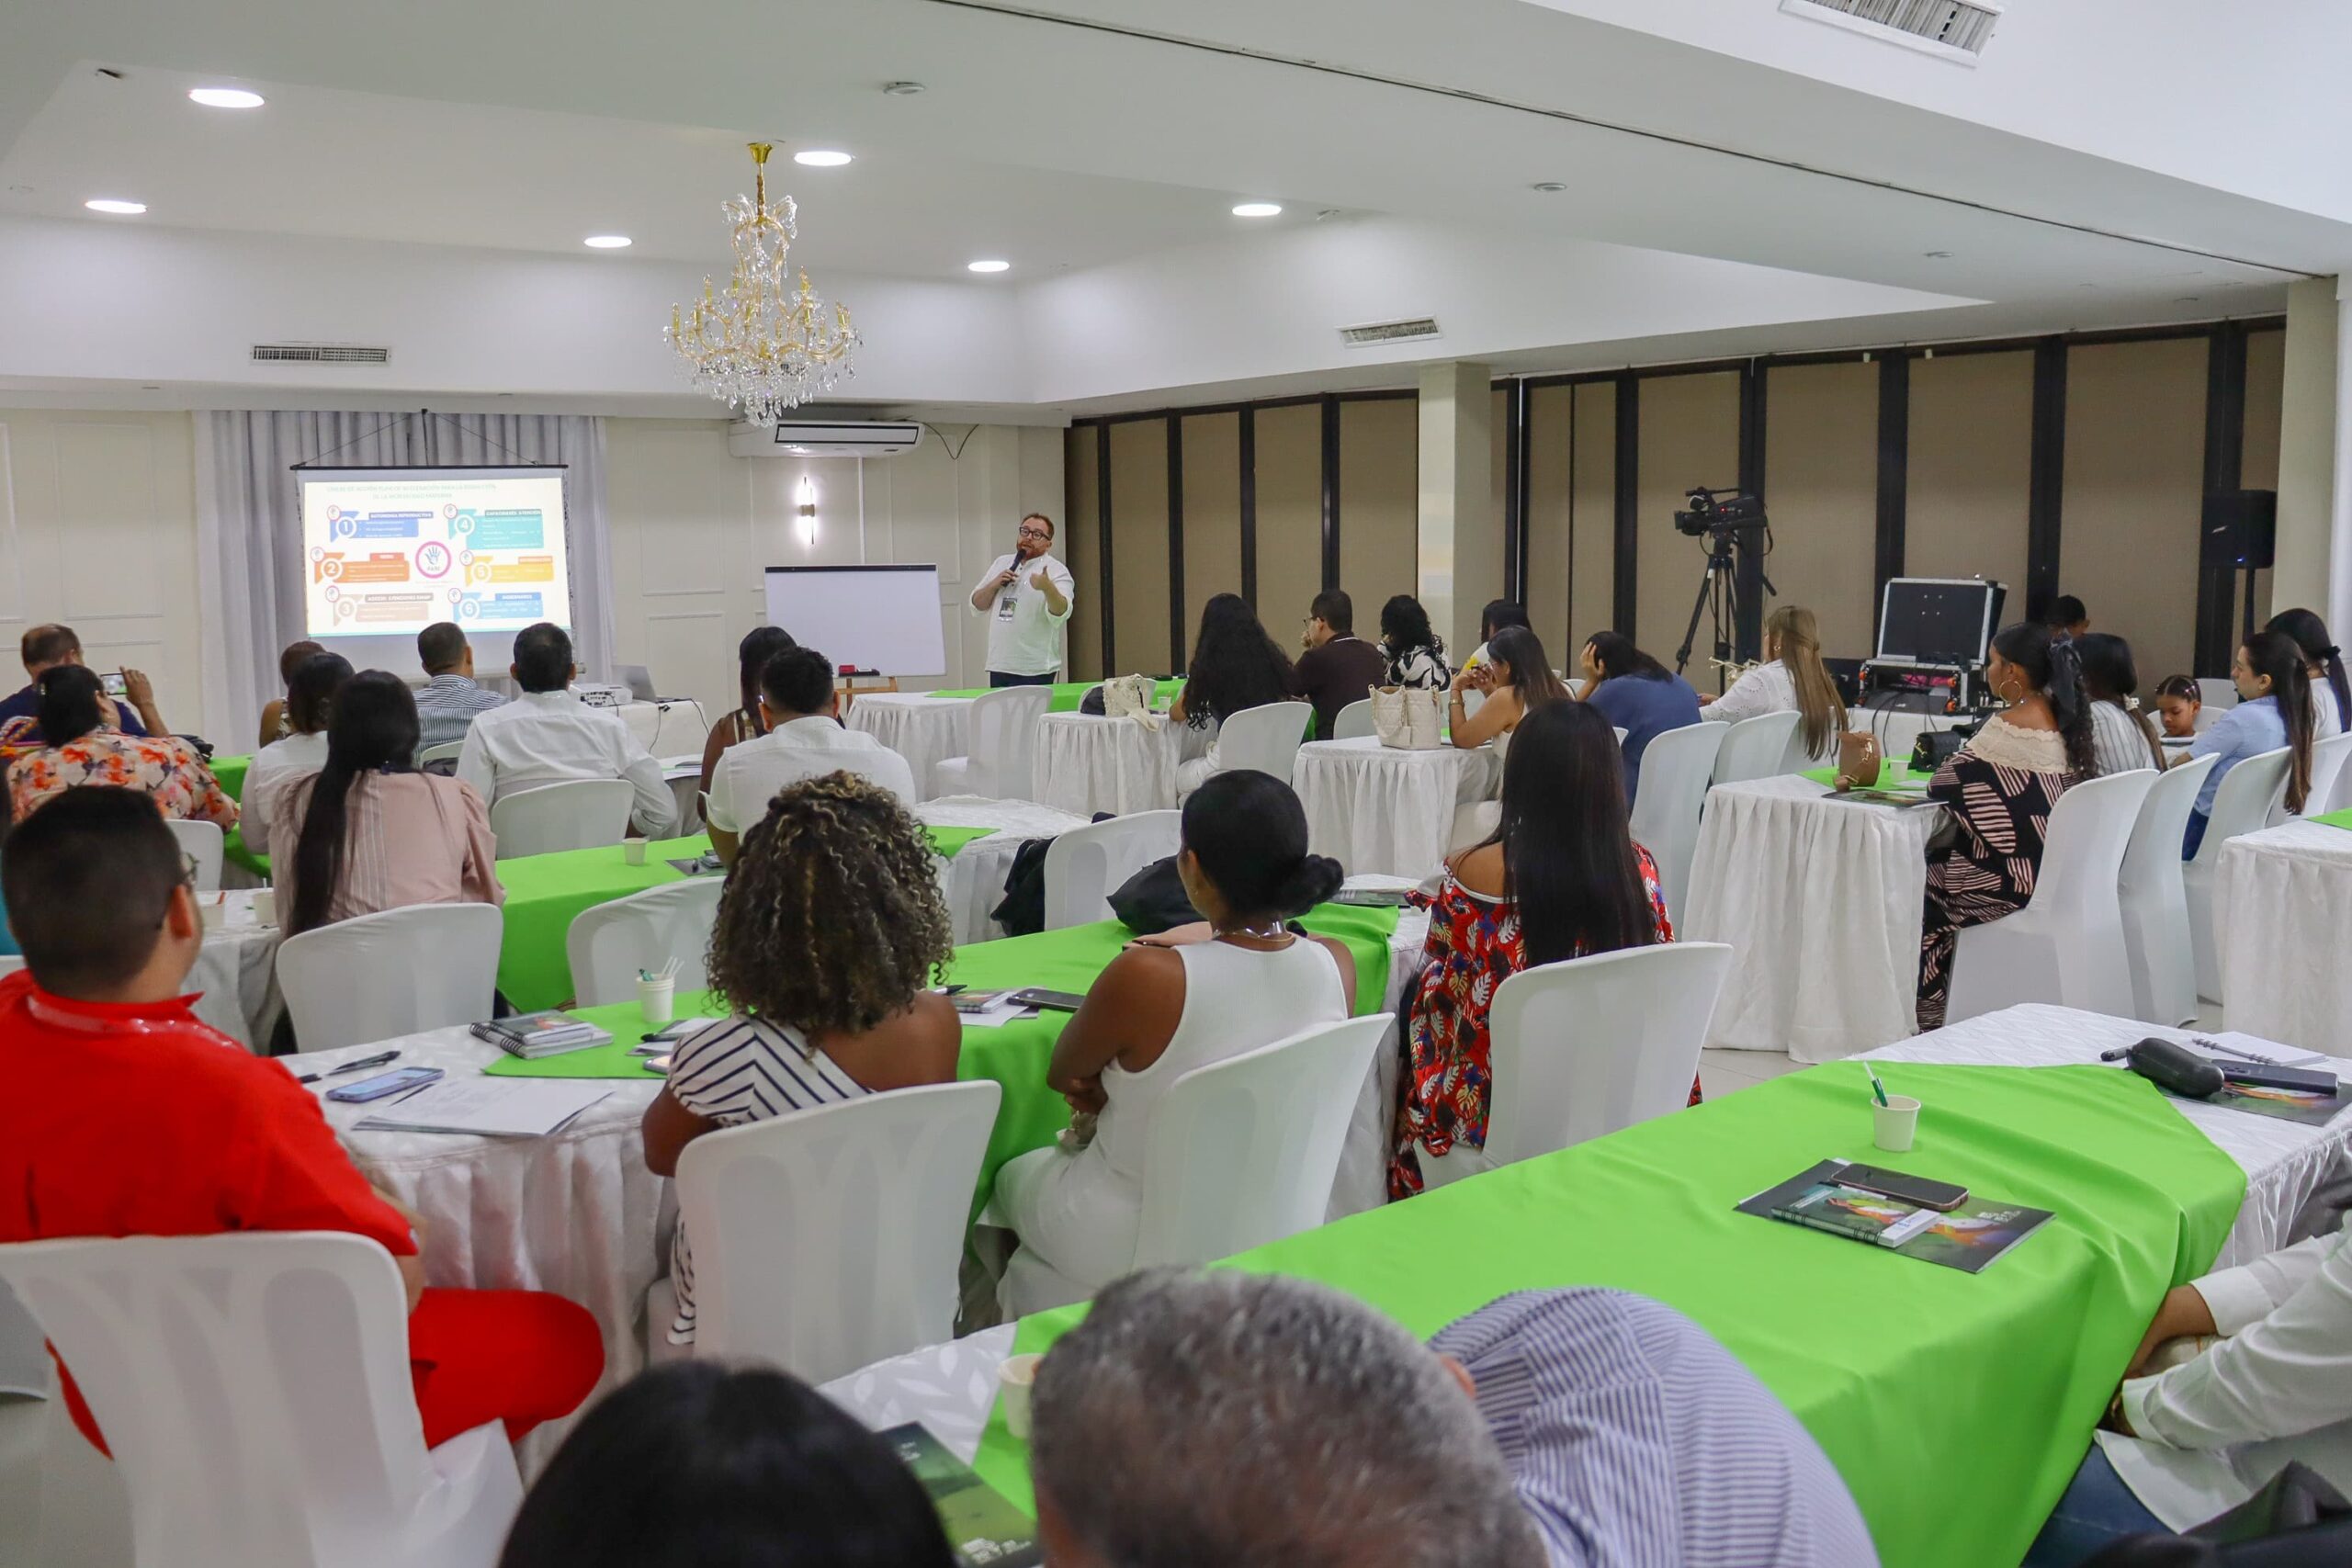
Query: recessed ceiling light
(822,158)
(607,241)
(1938,255)
(1549,187)
(108,204)
(902,89)
(987,265)
(225,97)
(1257,208)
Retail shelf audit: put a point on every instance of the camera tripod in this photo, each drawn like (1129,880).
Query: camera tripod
(1718,596)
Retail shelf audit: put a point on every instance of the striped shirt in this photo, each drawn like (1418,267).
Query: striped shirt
(1639,1442)
(737,1071)
(446,706)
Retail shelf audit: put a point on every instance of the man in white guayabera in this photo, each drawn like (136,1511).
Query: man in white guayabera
(1029,593)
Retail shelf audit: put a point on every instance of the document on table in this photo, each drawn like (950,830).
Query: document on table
(488,1107)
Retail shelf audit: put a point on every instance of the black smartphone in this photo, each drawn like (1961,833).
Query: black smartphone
(1941,1196)
(1371,898)
(1052,1002)
(383,1083)
(2262,1075)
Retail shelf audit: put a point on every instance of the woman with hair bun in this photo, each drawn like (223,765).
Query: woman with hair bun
(1183,999)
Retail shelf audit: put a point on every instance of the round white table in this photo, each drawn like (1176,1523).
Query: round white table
(1385,810)
(1089,763)
(236,973)
(974,881)
(924,730)
(2283,903)
(1820,900)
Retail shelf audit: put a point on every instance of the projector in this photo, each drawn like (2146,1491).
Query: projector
(601,697)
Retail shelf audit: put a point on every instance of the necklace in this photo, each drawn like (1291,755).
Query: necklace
(1273,933)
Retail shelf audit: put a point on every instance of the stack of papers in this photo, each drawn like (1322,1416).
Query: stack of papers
(488,1107)
(532,1035)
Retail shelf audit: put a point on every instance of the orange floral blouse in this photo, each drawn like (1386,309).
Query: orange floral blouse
(163,766)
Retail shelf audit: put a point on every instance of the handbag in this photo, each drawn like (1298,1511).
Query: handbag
(1153,899)
(1857,760)
(1130,696)
(1408,718)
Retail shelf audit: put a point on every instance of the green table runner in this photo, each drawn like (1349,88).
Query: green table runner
(1015,1054)
(2333,818)
(1956,1406)
(231,773)
(1068,695)
(1892,775)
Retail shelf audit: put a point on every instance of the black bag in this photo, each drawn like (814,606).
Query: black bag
(1935,746)
(1153,899)
(2174,1070)
(1092,702)
(1021,911)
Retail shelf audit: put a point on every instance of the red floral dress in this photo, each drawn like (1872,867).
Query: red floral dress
(163,766)
(1474,945)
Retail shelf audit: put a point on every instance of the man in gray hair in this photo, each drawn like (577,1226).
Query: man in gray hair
(1257,1421)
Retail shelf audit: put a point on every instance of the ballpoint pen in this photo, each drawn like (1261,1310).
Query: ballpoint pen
(360,1066)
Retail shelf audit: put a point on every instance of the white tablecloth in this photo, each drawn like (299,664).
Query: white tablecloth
(1820,900)
(923,729)
(2282,913)
(668,727)
(236,971)
(974,881)
(952,1388)
(1088,763)
(1899,730)
(1385,810)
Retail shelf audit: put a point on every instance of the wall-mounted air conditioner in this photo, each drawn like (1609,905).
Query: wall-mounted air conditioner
(823,439)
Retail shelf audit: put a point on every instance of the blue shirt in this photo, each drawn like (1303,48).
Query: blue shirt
(2246,730)
(446,708)
(1644,706)
(1634,1439)
(26,704)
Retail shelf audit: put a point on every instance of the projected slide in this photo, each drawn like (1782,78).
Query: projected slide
(387,552)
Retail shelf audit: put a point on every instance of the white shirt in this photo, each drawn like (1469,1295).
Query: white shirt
(2326,720)
(2118,745)
(547,738)
(274,766)
(1768,688)
(2212,1430)
(750,772)
(1024,634)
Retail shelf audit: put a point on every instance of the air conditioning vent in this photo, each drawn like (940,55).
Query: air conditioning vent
(1374,333)
(1955,29)
(319,354)
(824,438)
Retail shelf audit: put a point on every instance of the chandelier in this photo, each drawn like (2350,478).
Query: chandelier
(762,343)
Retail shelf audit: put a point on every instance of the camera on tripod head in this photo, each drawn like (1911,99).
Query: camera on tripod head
(1718,512)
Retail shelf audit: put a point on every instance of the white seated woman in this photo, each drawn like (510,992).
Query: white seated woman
(1167,1005)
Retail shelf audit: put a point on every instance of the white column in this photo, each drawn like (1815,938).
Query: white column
(1461,532)
(2337,559)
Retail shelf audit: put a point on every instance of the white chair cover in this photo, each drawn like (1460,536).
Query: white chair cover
(1084,866)
(204,843)
(2241,804)
(1002,765)
(1264,738)
(1756,748)
(2328,777)
(400,971)
(830,1238)
(441,758)
(578,815)
(2154,900)
(2067,945)
(609,943)
(255,1393)
(1353,720)
(1675,771)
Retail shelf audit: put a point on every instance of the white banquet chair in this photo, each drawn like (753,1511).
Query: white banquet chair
(204,843)
(255,1393)
(2241,806)
(1264,740)
(441,758)
(828,1239)
(1084,866)
(1756,748)
(1589,1047)
(2067,945)
(395,972)
(577,814)
(2155,900)
(1675,771)
(1354,721)
(1002,734)
(607,943)
(2327,774)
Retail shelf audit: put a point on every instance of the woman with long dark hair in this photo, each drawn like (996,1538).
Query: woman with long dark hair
(2273,676)
(1636,694)
(85,747)
(367,831)
(310,704)
(1559,877)
(1235,666)
(2000,788)
(2323,662)
(1516,677)
(751,655)
(1416,655)
(2123,737)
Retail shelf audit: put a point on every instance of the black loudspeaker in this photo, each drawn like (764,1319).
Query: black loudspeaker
(2240,527)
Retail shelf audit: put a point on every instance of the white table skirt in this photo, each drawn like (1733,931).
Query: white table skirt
(974,881)
(1089,763)
(951,1388)
(1384,810)
(2282,910)
(925,730)
(1821,902)
(236,971)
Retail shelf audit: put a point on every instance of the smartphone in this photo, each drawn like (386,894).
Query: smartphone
(974,1001)
(658,1065)
(115,685)
(383,1084)
(1052,1002)
(2261,1075)
(1941,1196)
(1371,897)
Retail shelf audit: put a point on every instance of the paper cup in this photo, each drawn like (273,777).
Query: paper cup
(265,908)
(633,852)
(1013,1380)
(656,999)
(216,916)
(1893,1124)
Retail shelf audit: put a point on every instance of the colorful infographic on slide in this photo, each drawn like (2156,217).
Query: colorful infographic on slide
(389,551)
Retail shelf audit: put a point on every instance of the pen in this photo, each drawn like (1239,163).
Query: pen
(360,1066)
(1877,1088)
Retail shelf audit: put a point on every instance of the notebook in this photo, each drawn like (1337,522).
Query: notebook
(1969,1238)
(531,1035)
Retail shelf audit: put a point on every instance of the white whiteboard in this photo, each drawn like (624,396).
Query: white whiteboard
(883,618)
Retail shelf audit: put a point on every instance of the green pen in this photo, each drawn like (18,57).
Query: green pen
(1877,1088)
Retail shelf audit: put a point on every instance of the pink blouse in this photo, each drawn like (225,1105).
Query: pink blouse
(409,838)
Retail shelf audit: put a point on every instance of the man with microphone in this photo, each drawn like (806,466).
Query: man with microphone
(1030,592)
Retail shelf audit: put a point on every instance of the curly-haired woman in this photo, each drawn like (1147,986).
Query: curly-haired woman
(829,930)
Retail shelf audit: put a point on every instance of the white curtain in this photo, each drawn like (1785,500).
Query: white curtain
(249,528)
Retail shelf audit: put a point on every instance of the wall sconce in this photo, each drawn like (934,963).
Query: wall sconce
(808,499)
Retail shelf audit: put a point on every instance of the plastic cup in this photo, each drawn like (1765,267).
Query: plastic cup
(1893,1124)
(265,908)
(1014,1380)
(216,916)
(633,852)
(656,1000)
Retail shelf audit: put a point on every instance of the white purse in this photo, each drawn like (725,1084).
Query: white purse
(1130,696)
(1408,717)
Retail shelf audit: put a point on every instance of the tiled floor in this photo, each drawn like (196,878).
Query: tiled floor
(1722,1072)
(20,1439)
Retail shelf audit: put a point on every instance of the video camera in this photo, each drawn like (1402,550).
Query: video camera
(1719,511)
